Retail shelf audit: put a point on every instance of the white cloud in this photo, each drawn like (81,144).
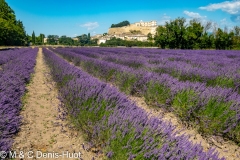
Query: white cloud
(90,25)
(223,21)
(193,15)
(165,18)
(232,7)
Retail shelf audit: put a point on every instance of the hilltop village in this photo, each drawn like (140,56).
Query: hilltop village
(139,31)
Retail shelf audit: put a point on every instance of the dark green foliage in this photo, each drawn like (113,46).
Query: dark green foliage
(206,41)
(12,31)
(52,39)
(40,39)
(119,42)
(64,40)
(161,39)
(223,40)
(177,34)
(33,38)
(89,37)
(85,40)
(121,24)
(236,32)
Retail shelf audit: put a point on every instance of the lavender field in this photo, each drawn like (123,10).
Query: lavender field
(150,80)
(201,88)
(114,123)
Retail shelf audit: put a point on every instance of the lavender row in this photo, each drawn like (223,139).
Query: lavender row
(110,120)
(104,66)
(13,79)
(195,57)
(214,69)
(7,55)
(216,110)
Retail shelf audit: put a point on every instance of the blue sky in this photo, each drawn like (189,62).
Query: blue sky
(75,17)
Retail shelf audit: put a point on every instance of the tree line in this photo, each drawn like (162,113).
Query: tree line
(35,40)
(82,40)
(12,31)
(113,42)
(177,34)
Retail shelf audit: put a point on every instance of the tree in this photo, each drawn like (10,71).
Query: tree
(52,39)
(42,38)
(178,34)
(39,40)
(89,37)
(83,39)
(33,38)
(192,35)
(230,40)
(12,31)
(236,31)
(28,39)
(161,37)
(6,11)
(175,33)
(150,36)
(207,26)
(64,40)
(206,41)
(223,39)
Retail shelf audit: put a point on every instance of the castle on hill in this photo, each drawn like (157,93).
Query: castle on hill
(141,27)
(135,31)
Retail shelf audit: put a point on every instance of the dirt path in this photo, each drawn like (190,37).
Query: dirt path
(43,132)
(226,148)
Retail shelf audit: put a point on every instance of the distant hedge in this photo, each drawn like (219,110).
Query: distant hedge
(121,24)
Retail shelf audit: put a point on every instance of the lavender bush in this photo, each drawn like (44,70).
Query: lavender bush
(7,55)
(111,121)
(13,78)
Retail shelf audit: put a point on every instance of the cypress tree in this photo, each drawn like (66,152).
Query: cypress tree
(33,38)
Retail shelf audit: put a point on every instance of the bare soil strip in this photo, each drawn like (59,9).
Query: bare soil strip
(228,149)
(43,131)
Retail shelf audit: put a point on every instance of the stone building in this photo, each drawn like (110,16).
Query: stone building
(146,24)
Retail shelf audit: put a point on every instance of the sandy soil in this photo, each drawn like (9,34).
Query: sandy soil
(43,131)
(226,148)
